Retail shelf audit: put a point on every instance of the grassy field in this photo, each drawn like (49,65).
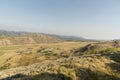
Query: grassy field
(1,52)
(21,53)
(61,61)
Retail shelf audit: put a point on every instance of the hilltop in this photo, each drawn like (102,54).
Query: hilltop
(13,33)
(62,37)
(21,38)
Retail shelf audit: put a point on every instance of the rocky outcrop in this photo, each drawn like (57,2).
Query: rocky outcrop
(72,68)
(90,47)
(116,43)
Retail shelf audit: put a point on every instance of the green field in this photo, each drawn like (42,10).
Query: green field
(1,53)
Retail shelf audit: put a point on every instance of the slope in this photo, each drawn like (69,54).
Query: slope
(27,39)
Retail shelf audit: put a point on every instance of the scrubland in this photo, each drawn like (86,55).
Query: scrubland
(61,61)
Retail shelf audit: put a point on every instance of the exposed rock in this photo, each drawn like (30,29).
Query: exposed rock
(89,47)
(116,43)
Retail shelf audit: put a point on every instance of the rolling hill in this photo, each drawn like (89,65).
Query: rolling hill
(62,37)
(69,38)
(20,39)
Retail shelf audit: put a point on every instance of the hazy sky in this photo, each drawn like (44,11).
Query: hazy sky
(98,19)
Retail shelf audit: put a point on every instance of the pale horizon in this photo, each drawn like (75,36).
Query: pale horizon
(92,19)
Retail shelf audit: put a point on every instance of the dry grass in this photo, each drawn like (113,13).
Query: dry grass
(56,61)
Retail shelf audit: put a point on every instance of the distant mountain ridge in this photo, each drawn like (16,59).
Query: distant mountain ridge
(21,38)
(69,38)
(62,37)
(13,33)
(73,38)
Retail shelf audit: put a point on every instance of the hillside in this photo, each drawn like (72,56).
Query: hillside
(27,39)
(60,61)
(29,57)
(74,68)
(4,33)
(13,33)
(69,38)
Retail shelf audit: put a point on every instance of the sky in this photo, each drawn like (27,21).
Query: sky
(94,19)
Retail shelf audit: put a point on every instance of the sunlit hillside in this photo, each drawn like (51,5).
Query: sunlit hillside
(61,61)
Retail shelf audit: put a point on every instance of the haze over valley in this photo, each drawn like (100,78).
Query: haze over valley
(59,40)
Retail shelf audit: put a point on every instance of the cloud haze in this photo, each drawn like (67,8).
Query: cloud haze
(98,19)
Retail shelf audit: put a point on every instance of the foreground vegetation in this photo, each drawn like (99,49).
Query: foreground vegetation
(62,61)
